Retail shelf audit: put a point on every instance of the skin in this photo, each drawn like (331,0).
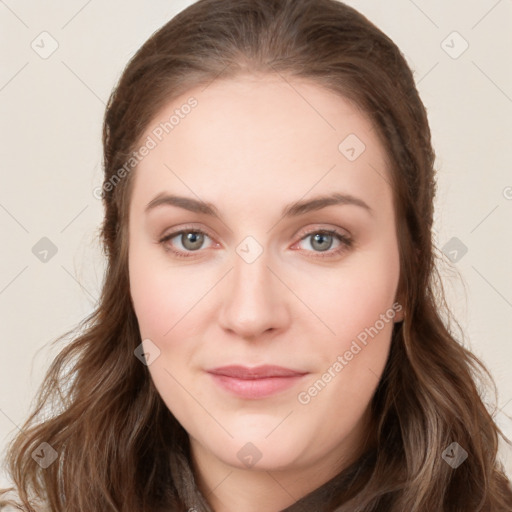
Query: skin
(252,146)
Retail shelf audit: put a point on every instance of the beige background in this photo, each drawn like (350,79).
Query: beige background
(51,112)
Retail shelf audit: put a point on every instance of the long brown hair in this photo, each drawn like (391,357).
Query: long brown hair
(118,447)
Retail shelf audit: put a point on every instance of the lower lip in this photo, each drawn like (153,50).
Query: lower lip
(256,388)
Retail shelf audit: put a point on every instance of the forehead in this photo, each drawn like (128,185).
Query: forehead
(261,135)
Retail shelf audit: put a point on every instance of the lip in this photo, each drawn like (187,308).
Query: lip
(255,382)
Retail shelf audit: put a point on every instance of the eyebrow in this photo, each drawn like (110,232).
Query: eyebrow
(291,210)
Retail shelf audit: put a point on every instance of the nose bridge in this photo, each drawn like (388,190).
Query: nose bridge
(253,301)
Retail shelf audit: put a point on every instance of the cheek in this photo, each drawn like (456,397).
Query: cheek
(162,295)
(153,301)
(357,306)
(353,298)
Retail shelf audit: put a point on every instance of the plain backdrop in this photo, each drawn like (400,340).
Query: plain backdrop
(59,62)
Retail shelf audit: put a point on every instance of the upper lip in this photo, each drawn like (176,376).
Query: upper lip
(255,372)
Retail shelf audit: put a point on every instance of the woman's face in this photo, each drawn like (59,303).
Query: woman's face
(266,335)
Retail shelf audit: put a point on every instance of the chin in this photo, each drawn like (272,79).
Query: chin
(256,449)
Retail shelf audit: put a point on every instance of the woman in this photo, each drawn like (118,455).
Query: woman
(269,335)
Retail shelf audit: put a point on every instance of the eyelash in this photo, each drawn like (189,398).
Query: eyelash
(346,242)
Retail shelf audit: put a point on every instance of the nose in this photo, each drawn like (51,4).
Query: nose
(255,300)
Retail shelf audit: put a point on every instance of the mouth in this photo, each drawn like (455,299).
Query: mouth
(256,382)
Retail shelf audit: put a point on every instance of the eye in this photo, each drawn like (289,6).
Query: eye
(322,241)
(191,240)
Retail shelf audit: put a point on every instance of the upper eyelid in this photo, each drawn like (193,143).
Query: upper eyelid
(317,226)
(185,229)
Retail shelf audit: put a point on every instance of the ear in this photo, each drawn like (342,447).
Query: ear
(399,309)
